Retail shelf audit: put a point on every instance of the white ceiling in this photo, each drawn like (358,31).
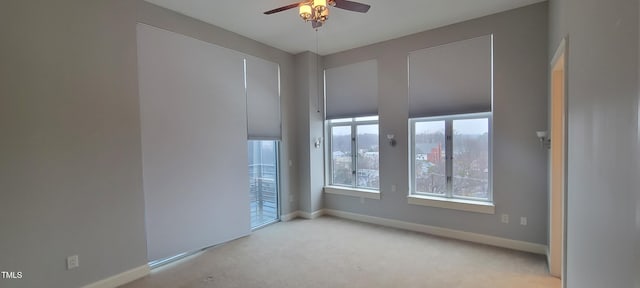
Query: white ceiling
(344,30)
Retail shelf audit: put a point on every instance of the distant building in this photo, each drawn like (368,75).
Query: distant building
(431,152)
(373,155)
(337,154)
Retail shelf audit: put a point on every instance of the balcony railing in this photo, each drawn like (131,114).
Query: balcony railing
(264,200)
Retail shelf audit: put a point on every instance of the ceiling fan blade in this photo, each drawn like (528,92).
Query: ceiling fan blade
(316,24)
(352,6)
(283,8)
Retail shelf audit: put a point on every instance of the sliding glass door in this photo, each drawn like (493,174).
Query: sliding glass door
(263,182)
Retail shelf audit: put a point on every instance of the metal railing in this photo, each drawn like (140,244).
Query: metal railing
(263,191)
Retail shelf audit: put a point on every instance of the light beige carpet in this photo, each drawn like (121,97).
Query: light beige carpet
(332,252)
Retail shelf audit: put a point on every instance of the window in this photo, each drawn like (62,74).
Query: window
(263,181)
(450,157)
(354,153)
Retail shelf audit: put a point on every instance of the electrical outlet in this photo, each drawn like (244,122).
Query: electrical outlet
(393,188)
(523,221)
(72,262)
(504,218)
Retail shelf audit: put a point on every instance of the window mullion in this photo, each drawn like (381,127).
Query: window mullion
(412,158)
(331,168)
(449,156)
(354,152)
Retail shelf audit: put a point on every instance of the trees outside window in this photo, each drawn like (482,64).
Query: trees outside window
(450,156)
(355,153)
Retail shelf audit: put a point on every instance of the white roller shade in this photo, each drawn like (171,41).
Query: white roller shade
(194,142)
(454,78)
(263,99)
(352,90)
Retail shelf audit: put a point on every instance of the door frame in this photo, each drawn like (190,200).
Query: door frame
(558,64)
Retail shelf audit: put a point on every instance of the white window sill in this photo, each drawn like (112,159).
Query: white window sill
(361,193)
(455,204)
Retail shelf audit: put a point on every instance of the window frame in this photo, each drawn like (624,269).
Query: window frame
(448,195)
(353,123)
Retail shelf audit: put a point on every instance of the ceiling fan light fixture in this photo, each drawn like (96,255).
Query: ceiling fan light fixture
(305,12)
(324,15)
(320,5)
(317,11)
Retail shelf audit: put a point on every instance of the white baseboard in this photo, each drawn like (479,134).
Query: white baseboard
(548,254)
(443,232)
(122,278)
(314,215)
(301,214)
(290,216)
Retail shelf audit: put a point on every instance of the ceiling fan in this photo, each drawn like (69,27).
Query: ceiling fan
(317,11)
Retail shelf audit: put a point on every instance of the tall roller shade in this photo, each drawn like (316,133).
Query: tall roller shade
(194,142)
(454,78)
(263,99)
(352,90)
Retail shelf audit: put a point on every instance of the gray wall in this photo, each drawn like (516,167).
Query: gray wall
(70,166)
(166,19)
(603,139)
(70,156)
(302,78)
(520,108)
(310,124)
